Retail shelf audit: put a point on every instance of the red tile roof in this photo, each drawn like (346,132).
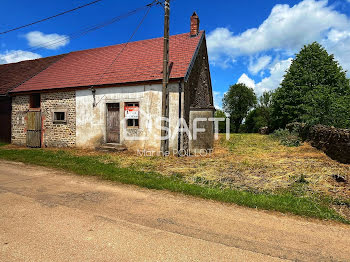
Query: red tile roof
(139,62)
(12,75)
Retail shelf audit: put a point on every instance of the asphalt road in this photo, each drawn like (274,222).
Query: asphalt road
(47,215)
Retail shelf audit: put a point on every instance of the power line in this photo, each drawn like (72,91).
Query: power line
(90,29)
(48,18)
(125,45)
(83,32)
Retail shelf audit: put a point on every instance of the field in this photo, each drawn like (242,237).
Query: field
(251,162)
(256,163)
(248,163)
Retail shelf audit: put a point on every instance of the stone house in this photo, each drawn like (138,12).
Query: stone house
(113,95)
(11,76)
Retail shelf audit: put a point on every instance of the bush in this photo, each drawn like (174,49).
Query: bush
(288,138)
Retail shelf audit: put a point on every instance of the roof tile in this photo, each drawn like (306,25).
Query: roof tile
(13,75)
(140,61)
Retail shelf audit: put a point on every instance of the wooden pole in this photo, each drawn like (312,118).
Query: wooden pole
(165,93)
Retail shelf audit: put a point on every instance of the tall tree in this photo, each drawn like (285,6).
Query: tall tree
(313,90)
(237,102)
(260,116)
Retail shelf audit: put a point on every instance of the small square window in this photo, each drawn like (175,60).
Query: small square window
(59,117)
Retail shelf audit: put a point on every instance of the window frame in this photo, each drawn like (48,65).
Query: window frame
(133,120)
(55,111)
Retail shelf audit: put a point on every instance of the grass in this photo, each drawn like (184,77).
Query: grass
(104,167)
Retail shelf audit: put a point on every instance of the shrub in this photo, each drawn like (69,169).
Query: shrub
(287,138)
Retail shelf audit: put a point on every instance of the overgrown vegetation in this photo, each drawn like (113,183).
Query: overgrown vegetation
(287,138)
(235,177)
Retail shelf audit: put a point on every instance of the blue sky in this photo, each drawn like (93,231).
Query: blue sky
(252,42)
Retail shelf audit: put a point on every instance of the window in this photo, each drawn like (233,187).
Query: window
(59,117)
(35,101)
(131,111)
(133,122)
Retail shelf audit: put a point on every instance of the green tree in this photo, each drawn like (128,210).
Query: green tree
(261,115)
(315,89)
(237,102)
(222,125)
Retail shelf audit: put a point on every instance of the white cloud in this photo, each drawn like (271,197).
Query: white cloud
(259,65)
(48,41)
(218,96)
(277,71)
(286,28)
(15,56)
(338,43)
(244,79)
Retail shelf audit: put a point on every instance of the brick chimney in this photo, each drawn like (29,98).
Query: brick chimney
(194,24)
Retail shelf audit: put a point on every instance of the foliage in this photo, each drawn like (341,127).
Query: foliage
(101,167)
(265,99)
(237,102)
(327,108)
(288,138)
(260,116)
(222,124)
(314,90)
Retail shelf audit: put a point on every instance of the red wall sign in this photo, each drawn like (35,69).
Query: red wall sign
(131,112)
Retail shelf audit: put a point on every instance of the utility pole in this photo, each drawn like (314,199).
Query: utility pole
(165,92)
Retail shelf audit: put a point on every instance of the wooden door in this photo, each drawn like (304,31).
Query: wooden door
(113,123)
(34,129)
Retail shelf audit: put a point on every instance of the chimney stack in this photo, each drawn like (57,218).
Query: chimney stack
(194,24)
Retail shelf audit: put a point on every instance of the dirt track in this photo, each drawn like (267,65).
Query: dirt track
(46,215)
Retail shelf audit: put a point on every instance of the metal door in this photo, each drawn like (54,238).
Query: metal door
(113,123)
(34,129)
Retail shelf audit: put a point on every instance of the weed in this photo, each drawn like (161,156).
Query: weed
(288,138)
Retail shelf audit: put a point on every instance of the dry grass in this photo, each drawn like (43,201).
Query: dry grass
(248,161)
(300,178)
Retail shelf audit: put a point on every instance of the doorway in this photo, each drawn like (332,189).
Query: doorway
(34,129)
(113,123)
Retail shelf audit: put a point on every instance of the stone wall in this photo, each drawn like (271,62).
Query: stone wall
(204,140)
(53,134)
(199,100)
(333,141)
(199,81)
(62,134)
(20,107)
